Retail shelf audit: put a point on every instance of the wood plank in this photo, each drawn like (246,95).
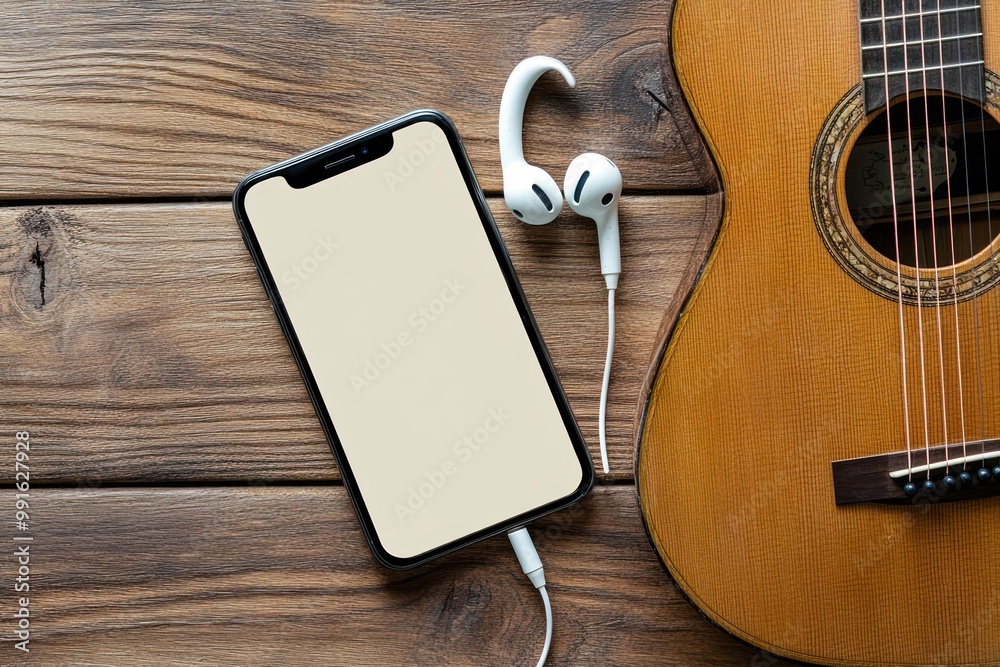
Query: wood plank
(154,354)
(109,98)
(268,575)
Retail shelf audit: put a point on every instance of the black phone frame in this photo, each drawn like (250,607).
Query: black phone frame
(329,160)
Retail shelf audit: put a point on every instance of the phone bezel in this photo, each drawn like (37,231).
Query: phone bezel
(347,144)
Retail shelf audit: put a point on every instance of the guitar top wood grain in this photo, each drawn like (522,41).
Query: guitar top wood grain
(781,363)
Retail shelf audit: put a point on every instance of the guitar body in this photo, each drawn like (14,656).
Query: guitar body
(782,361)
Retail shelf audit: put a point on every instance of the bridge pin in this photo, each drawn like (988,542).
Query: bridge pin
(929,486)
(984,474)
(950,481)
(910,488)
(965,477)
(996,473)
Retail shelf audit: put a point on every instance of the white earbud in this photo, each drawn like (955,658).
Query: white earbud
(593,185)
(531,194)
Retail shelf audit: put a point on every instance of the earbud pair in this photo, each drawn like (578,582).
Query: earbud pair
(592,185)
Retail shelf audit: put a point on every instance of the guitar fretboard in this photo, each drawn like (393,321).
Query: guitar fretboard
(918,44)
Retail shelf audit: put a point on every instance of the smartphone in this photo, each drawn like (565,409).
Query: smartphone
(426,368)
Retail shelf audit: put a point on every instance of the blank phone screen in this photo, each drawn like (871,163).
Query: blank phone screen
(410,330)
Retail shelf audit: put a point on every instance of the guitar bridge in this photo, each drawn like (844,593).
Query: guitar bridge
(943,473)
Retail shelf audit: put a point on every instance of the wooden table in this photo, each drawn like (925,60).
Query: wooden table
(184,506)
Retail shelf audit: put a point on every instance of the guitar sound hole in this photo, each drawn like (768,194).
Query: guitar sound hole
(957,161)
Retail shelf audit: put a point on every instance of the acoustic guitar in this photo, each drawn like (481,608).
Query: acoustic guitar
(819,456)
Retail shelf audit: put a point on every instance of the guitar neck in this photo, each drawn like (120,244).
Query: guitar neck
(911,45)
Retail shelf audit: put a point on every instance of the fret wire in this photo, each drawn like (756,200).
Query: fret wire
(914,42)
(918,70)
(943,10)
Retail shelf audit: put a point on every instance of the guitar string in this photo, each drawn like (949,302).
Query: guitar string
(989,211)
(951,231)
(895,229)
(916,237)
(933,212)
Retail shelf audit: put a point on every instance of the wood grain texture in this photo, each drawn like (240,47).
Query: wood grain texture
(269,576)
(154,354)
(109,98)
(780,363)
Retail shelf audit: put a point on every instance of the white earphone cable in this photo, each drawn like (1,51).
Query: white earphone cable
(548,627)
(607,379)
